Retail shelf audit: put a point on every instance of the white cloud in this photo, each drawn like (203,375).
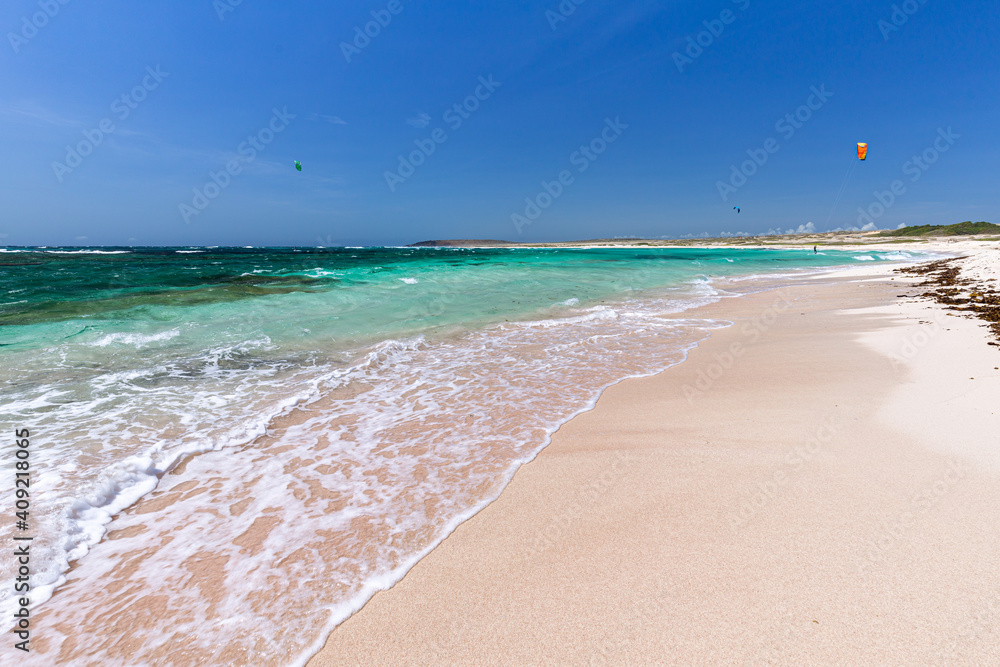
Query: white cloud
(36,113)
(808,228)
(870,227)
(421,120)
(901,225)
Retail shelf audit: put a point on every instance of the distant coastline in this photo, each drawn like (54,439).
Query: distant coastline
(824,238)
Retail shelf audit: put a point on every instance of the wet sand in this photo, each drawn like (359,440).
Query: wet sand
(817,484)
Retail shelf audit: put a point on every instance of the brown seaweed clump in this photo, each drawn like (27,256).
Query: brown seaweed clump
(957,293)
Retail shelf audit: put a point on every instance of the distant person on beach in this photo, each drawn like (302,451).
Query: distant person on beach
(815,252)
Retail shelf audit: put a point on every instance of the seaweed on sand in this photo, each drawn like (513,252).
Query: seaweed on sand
(957,293)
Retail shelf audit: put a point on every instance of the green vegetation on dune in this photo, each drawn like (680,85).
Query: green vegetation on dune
(967,228)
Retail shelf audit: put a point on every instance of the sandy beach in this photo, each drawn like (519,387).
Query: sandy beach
(816,484)
(517,333)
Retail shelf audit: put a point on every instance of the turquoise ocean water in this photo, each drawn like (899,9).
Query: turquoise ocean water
(327,416)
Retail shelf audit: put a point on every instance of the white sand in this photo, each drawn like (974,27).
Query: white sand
(826,494)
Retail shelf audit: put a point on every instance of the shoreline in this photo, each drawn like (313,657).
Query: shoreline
(109,583)
(848,241)
(535,577)
(614,472)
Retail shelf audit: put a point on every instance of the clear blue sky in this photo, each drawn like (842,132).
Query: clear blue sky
(222,73)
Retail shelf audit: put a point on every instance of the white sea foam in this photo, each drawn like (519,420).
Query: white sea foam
(89,252)
(319,272)
(590,315)
(135,339)
(410,281)
(513,384)
(767,276)
(118,410)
